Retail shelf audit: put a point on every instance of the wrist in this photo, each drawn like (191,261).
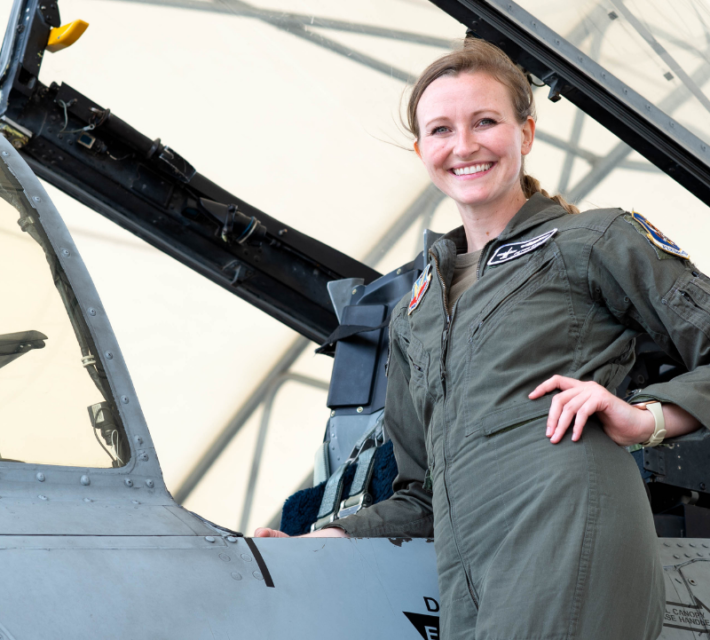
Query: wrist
(646,424)
(653,430)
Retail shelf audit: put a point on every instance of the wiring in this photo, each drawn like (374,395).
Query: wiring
(110,455)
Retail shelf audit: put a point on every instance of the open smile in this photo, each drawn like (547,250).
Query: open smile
(473,169)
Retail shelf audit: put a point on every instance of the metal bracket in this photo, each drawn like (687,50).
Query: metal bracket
(17,135)
(239,274)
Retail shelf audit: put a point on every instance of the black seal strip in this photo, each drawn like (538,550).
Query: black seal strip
(268,580)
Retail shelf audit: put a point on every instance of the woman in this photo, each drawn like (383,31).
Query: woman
(520,328)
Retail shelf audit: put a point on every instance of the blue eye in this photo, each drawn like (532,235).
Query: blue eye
(486,121)
(438,129)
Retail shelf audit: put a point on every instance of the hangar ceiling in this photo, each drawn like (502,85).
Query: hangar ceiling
(295,107)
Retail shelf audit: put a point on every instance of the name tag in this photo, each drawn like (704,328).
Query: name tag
(508,252)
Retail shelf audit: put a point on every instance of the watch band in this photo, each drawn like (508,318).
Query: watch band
(659,432)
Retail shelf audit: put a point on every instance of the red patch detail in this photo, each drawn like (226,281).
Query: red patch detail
(420,288)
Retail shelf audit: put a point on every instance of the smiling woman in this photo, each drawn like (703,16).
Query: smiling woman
(482,109)
(540,518)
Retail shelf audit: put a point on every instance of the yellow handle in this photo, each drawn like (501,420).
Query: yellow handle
(66,35)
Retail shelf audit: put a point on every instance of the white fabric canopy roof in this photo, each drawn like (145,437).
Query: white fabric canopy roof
(312,137)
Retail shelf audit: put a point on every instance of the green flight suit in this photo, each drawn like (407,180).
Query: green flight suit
(536,541)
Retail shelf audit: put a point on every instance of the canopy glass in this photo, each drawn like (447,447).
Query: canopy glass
(53,393)
(659,49)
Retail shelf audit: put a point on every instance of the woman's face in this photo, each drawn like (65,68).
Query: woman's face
(470,140)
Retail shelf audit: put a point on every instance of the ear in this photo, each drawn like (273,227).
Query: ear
(528,136)
(416,149)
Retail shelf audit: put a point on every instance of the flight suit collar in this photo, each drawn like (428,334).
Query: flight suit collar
(537,210)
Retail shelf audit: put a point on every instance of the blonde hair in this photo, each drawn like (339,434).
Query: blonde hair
(480,56)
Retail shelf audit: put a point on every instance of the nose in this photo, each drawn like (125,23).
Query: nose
(466,143)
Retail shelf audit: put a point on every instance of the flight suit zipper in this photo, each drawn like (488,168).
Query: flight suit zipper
(450,314)
(447,324)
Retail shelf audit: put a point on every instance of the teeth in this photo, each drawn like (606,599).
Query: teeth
(476,168)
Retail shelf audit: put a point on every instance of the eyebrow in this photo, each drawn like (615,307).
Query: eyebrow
(475,113)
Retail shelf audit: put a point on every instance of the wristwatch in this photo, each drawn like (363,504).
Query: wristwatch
(659,432)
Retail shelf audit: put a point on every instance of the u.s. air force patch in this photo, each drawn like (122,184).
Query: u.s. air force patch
(420,288)
(657,238)
(514,250)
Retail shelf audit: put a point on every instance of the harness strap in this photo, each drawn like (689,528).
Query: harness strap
(363,456)
(359,496)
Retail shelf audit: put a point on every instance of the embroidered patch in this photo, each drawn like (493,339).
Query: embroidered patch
(420,288)
(514,250)
(658,238)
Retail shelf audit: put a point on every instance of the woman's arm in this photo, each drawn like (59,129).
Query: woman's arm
(649,291)
(624,423)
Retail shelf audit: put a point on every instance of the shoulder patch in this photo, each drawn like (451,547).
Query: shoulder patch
(514,250)
(421,285)
(657,238)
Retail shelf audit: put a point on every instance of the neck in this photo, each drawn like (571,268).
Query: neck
(483,223)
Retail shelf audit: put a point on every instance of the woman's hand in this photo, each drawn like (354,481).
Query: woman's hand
(625,424)
(331,532)
(264,532)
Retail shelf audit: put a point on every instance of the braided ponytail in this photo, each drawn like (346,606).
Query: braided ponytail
(531,186)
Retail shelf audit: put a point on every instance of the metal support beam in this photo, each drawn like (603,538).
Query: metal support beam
(261,438)
(301,26)
(619,153)
(250,11)
(225,436)
(662,53)
(577,125)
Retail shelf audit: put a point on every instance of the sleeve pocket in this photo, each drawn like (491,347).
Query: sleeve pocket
(690,299)
(511,417)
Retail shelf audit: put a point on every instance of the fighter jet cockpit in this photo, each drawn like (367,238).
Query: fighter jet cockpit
(221,198)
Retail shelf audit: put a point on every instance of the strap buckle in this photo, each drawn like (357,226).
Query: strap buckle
(321,522)
(353,504)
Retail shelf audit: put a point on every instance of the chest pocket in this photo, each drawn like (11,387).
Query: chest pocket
(524,281)
(510,418)
(418,359)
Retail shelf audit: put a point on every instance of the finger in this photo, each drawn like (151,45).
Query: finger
(555,382)
(557,407)
(567,415)
(583,413)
